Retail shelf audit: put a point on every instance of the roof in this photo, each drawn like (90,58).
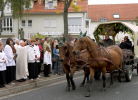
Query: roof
(125,11)
(39,8)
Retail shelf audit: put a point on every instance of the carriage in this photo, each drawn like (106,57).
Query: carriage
(130,61)
(109,59)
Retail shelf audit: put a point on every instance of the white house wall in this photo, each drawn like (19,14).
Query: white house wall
(38,25)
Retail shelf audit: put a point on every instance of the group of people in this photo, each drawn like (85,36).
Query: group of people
(22,59)
(125,43)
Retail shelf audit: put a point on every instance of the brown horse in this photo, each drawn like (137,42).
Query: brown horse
(71,64)
(104,59)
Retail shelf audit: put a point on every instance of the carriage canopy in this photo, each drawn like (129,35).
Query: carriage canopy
(118,26)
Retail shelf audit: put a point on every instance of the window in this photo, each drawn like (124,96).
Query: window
(7,25)
(87,23)
(103,20)
(50,4)
(23,22)
(29,22)
(74,24)
(75,21)
(29,4)
(116,16)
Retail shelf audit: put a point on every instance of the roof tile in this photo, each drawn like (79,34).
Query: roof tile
(125,11)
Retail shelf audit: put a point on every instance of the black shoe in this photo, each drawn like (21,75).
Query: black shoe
(21,80)
(2,86)
(47,76)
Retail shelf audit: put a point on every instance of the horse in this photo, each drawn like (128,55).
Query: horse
(105,59)
(71,64)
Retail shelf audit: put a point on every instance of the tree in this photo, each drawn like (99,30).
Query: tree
(67,4)
(17,7)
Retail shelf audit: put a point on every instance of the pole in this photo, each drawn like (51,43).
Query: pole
(1,22)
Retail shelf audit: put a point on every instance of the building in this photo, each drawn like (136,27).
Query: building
(46,17)
(112,12)
(7,22)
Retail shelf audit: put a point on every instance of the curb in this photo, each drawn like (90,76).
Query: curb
(33,84)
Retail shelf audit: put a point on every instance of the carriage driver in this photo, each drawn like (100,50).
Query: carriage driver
(126,43)
(107,41)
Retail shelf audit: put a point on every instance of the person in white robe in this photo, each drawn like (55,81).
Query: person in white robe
(21,62)
(37,62)
(3,60)
(32,59)
(10,65)
(47,62)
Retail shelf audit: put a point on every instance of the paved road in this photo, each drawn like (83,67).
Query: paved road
(56,91)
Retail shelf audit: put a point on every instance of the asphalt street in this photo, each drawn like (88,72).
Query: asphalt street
(57,91)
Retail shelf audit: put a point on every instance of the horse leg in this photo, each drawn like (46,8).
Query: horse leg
(104,77)
(72,82)
(97,75)
(68,81)
(119,76)
(85,76)
(111,81)
(88,86)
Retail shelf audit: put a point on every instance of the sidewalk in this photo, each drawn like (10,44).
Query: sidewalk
(31,84)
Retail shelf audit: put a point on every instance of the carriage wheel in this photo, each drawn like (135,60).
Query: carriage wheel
(128,75)
(137,69)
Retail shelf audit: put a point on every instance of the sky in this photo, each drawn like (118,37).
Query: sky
(112,1)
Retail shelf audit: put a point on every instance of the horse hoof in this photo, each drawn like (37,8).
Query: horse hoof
(73,88)
(104,89)
(68,89)
(119,79)
(111,84)
(87,95)
(81,85)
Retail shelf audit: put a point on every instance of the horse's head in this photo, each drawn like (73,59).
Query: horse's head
(79,45)
(64,51)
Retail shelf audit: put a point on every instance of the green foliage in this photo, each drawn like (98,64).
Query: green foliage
(111,30)
(18,7)
(37,35)
(1,4)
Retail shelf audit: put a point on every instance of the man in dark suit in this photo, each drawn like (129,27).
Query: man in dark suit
(107,41)
(126,43)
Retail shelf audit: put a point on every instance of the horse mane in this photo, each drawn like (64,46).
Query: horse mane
(67,49)
(91,46)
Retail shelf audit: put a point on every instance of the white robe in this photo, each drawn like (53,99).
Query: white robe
(21,63)
(3,58)
(47,58)
(9,54)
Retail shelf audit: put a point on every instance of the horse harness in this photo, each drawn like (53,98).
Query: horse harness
(105,57)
